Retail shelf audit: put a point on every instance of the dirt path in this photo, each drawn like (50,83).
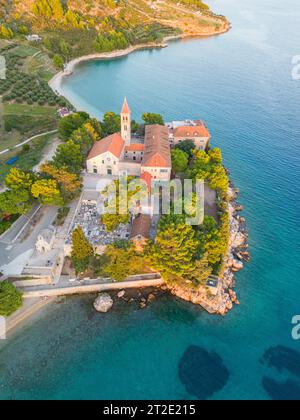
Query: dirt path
(25,141)
(48,153)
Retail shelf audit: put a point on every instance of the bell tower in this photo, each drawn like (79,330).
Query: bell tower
(126,123)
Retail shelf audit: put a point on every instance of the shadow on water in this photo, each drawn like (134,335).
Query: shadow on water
(174,310)
(282,391)
(202,373)
(286,361)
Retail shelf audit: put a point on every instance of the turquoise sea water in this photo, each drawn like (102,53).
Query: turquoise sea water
(241,85)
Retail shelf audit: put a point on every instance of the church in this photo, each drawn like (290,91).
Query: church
(122,154)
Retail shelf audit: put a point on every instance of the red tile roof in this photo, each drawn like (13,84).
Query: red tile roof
(147,178)
(135,148)
(157,147)
(125,107)
(113,144)
(186,131)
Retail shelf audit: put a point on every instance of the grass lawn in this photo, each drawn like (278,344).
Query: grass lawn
(25,121)
(27,160)
(24,51)
(32,110)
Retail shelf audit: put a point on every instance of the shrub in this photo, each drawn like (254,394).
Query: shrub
(10,299)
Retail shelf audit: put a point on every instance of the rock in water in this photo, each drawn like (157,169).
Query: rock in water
(103,303)
(121,294)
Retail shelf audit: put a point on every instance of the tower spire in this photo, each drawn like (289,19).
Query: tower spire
(125,107)
(126,122)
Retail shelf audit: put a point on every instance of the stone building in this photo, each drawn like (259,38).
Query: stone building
(45,240)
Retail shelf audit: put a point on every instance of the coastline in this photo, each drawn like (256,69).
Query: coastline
(224,297)
(30,308)
(55,82)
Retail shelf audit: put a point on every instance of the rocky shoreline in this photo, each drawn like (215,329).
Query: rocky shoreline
(238,251)
(224,298)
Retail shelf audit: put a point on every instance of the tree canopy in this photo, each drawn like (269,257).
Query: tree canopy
(69,156)
(69,124)
(82,250)
(180,161)
(174,249)
(111,124)
(10,299)
(209,167)
(151,118)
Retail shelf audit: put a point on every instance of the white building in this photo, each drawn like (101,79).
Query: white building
(195,131)
(120,154)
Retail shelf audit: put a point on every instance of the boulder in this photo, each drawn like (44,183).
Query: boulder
(121,294)
(151,298)
(103,303)
(237,266)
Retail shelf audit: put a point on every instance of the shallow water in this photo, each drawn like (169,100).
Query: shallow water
(240,83)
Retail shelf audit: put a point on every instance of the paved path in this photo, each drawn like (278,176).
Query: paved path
(48,153)
(91,286)
(28,141)
(12,234)
(9,253)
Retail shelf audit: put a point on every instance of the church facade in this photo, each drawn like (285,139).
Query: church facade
(148,158)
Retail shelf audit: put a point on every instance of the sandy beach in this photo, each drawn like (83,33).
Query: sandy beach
(30,308)
(55,82)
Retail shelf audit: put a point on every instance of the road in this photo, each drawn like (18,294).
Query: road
(14,256)
(28,141)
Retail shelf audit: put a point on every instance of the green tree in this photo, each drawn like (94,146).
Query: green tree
(10,299)
(118,263)
(187,146)
(48,9)
(19,180)
(82,138)
(215,239)
(47,192)
(69,183)
(71,19)
(69,124)
(113,221)
(82,251)
(150,118)
(180,161)
(174,249)
(201,272)
(69,156)
(15,201)
(111,124)
(209,167)
(65,48)
(6,32)
(58,61)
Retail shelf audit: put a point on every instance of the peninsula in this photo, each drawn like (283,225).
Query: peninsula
(39,38)
(90,245)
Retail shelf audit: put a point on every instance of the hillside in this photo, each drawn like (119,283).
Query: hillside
(73,27)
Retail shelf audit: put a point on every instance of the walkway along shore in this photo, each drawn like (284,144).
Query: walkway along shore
(91,286)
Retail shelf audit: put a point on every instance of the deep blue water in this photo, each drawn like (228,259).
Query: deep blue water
(241,85)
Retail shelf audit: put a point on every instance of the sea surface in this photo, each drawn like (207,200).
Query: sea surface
(241,84)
